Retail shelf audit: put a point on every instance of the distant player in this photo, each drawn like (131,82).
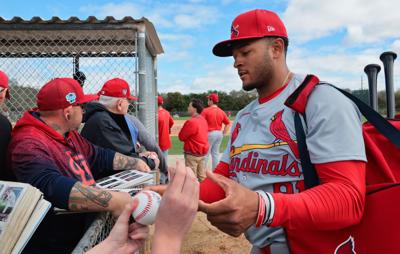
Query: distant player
(194,136)
(165,123)
(215,117)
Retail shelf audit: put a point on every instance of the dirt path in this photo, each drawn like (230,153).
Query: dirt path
(203,238)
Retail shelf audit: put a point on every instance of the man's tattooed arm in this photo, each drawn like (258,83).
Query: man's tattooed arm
(88,199)
(85,198)
(122,162)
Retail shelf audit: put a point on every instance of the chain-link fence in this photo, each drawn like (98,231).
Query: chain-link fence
(94,51)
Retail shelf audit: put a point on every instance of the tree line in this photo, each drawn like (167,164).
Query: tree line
(176,102)
(234,101)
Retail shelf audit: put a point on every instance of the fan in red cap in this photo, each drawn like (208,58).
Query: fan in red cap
(4,89)
(108,125)
(47,151)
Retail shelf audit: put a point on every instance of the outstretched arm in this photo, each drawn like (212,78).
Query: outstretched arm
(123,162)
(88,199)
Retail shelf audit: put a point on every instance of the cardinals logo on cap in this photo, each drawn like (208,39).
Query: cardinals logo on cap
(235,30)
(279,130)
(71,98)
(346,247)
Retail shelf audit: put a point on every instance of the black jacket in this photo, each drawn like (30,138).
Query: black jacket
(109,130)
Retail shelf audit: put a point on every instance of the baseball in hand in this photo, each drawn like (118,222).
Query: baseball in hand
(148,203)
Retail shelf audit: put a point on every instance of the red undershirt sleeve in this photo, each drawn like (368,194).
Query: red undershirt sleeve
(211,192)
(337,202)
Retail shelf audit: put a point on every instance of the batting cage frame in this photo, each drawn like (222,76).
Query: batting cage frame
(32,52)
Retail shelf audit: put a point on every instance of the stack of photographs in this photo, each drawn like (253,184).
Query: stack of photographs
(130,181)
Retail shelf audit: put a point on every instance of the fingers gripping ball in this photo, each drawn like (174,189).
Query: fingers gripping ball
(148,203)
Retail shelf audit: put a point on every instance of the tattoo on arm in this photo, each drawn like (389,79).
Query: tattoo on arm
(122,162)
(84,198)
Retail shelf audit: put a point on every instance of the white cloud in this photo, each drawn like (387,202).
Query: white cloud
(116,10)
(169,15)
(343,69)
(363,21)
(184,40)
(223,78)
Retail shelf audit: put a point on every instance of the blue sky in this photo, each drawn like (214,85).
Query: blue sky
(333,39)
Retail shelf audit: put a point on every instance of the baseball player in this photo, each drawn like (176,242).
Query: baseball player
(257,188)
(165,123)
(194,136)
(215,117)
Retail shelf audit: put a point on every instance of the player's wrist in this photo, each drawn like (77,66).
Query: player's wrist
(266,209)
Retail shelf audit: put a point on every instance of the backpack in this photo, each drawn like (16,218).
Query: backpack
(379,229)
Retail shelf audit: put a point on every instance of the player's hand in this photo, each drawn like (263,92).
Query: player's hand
(178,208)
(236,212)
(123,238)
(160,189)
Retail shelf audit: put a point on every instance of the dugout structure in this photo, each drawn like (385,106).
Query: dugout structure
(34,51)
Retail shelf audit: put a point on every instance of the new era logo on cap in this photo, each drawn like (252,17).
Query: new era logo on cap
(118,88)
(252,25)
(270,28)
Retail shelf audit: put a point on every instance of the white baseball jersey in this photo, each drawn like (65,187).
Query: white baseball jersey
(262,151)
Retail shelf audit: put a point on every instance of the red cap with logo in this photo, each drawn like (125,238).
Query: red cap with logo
(252,25)
(160,100)
(60,93)
(4,83)
(213,97)
(118,88)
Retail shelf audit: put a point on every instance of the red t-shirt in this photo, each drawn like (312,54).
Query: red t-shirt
(194,134)
(215,117)
(165,123)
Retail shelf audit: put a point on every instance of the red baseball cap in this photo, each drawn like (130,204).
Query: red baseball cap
(213,97)
(252,25)
(4,83)
(60,93)
(160,100)
(117,88)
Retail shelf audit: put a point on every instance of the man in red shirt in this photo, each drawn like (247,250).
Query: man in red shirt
(165,123)
(215,117)
(194,136)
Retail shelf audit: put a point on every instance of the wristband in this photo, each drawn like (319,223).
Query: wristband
(261,210)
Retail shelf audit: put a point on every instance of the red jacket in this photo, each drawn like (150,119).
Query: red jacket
(165,123)
(215,117)
(195,136)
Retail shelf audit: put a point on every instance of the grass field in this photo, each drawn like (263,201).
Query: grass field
(177,146)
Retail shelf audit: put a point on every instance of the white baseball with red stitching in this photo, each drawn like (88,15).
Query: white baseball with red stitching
(146,211)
